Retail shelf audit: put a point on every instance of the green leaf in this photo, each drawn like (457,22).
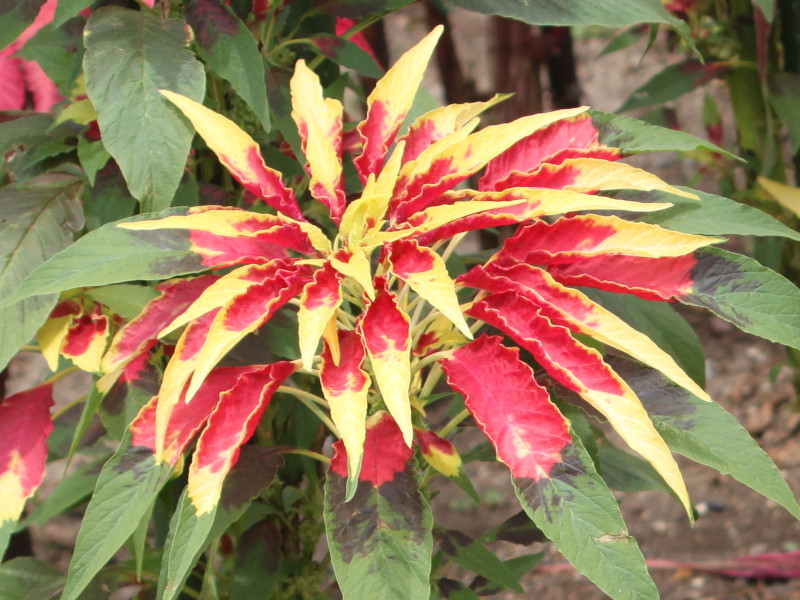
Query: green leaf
(347,54)
(784,90)
(671,83)
(93,156)
(633,136)
(575,509)
(476,557)
(135,387)
(125,299)
(659,322)
(711,215)
(24,131)
(625,472)
(109,199)
(576,12)
(54,50)
(15,16)
(189,534)
(228,47)
(767,7)
(35,222)
(130,55)
(706,433)
(69,493)
(28,578)
(752,297)
(125,491)
(67,9)
(111,254)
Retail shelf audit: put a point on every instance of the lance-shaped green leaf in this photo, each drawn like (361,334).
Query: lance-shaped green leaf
(347,54)
(16,17)
(582,370)
(734,287)
(245,313)
(425,272)
(130,55)
(389,103)
(386,334)
(190,533)
(555,479)
(345,386)
(442,455)
(573,239)
(26,577)
(230,425)
(139,333)
(706,433)
(35,223)
(380,541)
(240,154)
(712,215)
(476,557)
(125,491)
(573,309)
(673,82)
(318,305)
(228,47)
(25,424)
(319,123)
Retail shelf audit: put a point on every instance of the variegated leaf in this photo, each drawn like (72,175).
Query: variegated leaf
(318,305)
(52,334)
(425,272)
(389,103)
(86,340)
(380,541)
(345,386)
(230,425)
(240,154)
(25,425)
(386,335)
(582,370)
(442,455)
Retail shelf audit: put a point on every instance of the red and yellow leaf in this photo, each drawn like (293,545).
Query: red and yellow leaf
(240,154)
(319,122)
(230,425)
(425,271)
(140,333)
(389,103)
(515,413)
(386,334)
(575,239)
(573,309)
(353,262)
(345,386)
(86,340)
(184,420)
(582,370)
(439,453)
(318,304)
(25,424)
(52,334)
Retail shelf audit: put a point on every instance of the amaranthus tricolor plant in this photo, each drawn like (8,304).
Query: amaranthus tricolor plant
(383,327)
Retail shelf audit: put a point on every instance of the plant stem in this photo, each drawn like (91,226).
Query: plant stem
(312,402)
(310,454)
(454,422)
(60,412)
(60,375)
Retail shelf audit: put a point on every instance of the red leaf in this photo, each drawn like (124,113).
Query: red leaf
(25,424)
(385,452)
(515,413)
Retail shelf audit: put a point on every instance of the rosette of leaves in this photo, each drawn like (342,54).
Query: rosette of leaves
(380,320)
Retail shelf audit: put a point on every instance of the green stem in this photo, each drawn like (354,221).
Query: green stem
(312,402)
(310,454)
(69,405)
(453,423)
(428,360)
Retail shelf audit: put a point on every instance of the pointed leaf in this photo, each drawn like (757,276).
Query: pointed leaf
(349,53)
(139,333)
(706,433)
(380,541)
(318,305)
(240,154)
(386,334)
(190,533)
(353,262)
(573,309)
(51,335)
(130,55)
(25,424)
(35,223)
(554,476)
(389,102)
(672,82)
(425,272)
(126,489)
(319,122)
(86,340)
(345,386)
(476,557)
(228,47)
(27,578)
(572,239)
(442,455)
(582,370)
(232,423)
